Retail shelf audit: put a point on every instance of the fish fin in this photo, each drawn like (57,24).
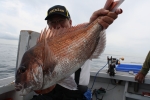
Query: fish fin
(44,33)
(48,33)
(101,45)
(68,83)
(49,60)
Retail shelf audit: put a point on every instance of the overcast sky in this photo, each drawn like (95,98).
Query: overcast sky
(130,32)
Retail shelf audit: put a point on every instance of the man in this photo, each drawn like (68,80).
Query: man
(143,72)
(59,17)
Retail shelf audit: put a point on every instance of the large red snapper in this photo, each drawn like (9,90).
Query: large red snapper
(58,54)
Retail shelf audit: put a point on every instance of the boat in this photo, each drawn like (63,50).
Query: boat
(103,85)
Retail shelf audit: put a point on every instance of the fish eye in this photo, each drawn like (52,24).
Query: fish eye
(22,69)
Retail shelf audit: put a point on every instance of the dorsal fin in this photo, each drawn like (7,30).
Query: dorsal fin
(50,33)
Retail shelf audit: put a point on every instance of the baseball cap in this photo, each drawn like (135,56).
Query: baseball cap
(57,9)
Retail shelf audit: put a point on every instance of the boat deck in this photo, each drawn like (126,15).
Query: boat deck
(120,87)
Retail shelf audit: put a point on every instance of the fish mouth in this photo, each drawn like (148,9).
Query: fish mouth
(18,87)
(23,89)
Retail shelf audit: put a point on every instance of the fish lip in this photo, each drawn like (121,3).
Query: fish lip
(18,87)
(23,91)
(22,87)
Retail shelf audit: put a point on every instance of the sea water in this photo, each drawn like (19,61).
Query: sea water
(9,48)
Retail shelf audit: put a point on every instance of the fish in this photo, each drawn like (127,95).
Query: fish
(58,54)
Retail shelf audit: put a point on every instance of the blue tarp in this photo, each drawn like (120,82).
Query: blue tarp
(128,67)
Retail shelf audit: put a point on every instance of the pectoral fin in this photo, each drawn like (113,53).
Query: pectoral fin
(68,83)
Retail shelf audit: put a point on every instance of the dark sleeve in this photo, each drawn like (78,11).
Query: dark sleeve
(146,65)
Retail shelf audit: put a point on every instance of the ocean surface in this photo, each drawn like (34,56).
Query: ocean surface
(8,57)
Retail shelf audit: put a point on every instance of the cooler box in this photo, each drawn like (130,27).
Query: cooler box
(128,67)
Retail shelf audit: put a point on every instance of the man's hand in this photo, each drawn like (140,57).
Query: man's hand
(140,77)
(106,17)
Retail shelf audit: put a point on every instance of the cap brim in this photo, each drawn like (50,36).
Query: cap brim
(54,14)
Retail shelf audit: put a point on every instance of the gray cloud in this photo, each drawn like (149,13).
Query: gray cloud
(130,30)
(7,35)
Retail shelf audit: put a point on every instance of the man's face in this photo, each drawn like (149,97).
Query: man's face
(59,21)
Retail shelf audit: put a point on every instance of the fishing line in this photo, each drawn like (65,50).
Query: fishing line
(88,94)
(107,85)
(96,76)
(111,88)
